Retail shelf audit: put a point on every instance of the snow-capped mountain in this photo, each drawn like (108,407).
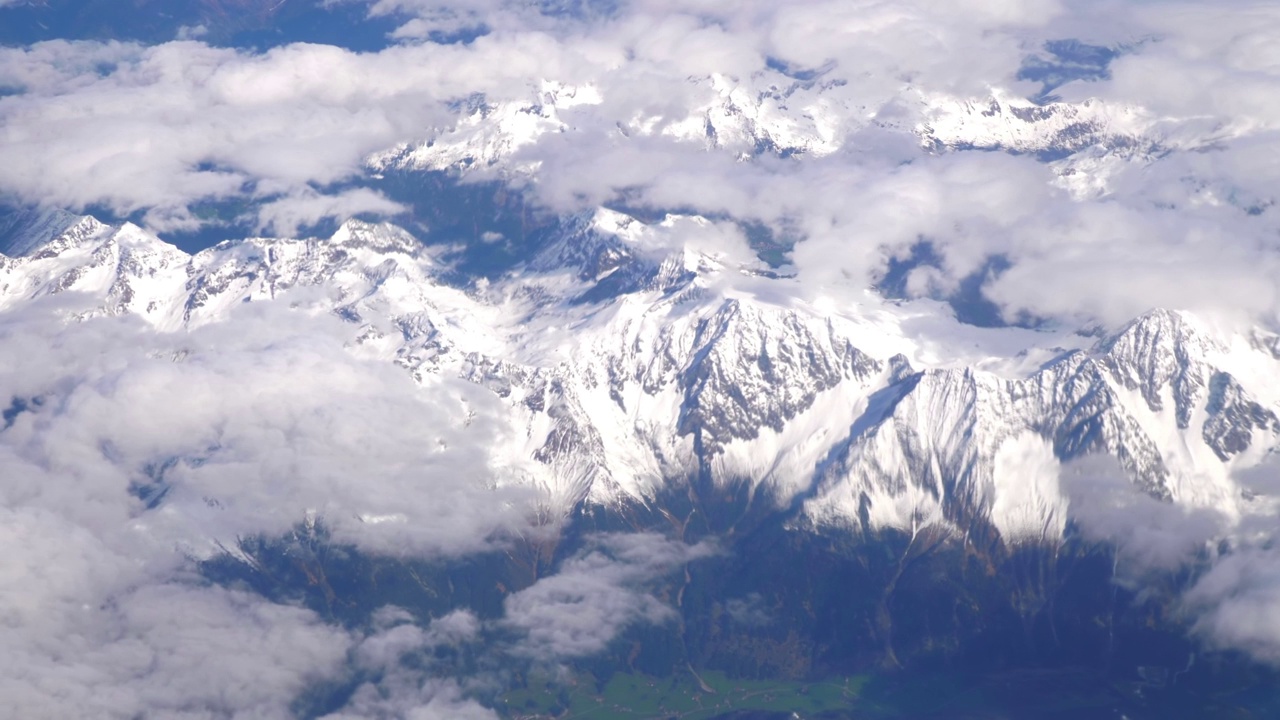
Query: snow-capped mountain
(629,373)
(774,112)
(1016,125)
(954,446)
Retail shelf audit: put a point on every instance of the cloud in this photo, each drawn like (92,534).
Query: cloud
(1236,604)
(155,129)
(749,610)
(248,429)
(1233,600)
(409,682)
(91,627)
(576,612)
(284,216)
(252,425)
(804,116)
(595,595)
(1148,534)
(427,699)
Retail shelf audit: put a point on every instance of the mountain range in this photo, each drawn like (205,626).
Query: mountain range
(862,479)
(628,373)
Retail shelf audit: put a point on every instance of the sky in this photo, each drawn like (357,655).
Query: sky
(100,615)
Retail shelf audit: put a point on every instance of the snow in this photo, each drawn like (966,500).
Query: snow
(703,369)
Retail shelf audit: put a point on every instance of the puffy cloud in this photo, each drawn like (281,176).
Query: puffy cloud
(231,432)
(251,425)
(94,623)
(154,129)
(1148,534)
(251,430)
(424,699)
(1236,604)
(283,217)
(408,684)
(749,610)
(157,128)
(1233,599)
(596,595)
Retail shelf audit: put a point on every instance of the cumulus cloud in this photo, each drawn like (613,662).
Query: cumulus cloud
(283,217)
(749,610)
(249,431)
(408,684)
(131,452)
(1236,604)
(576,612)
(596,595)
(155,129)
(97,621)
(1148,534)
(1233,600)
(172,650)
(252,425)
(428,699)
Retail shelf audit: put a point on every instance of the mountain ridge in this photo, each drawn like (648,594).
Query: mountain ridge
(675,377)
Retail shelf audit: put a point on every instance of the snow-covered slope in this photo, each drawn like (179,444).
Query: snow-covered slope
(629,374)
(959,447)
(130,270)
(1016,125)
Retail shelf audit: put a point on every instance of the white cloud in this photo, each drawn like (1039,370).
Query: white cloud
(1148,534)
(154,129)
(408,685)
(1236,604)
(255,425)
(92,629)
(164,126)
(749,610)
(261,425)
(596,595)
(284,216)
(420,700)
(268,418)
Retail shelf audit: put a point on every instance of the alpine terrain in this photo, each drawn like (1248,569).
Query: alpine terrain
(736,375)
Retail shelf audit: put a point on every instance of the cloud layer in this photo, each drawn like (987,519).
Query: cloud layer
(165,448)
(243,433)
(812,118)
(155,130)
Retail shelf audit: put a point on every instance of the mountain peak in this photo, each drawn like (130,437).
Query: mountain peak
(634,368)
(79,234)
(1163,355)
(380,237)
(24,231)
(1164,332)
